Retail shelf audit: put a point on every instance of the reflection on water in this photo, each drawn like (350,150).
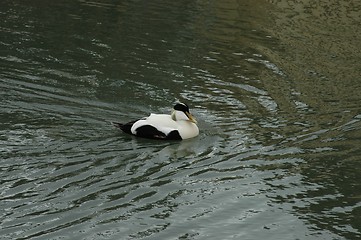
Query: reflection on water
(273,84)
(323,74)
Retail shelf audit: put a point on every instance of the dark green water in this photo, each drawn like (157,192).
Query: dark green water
(275,86)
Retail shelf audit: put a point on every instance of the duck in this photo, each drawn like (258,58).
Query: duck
(178,125)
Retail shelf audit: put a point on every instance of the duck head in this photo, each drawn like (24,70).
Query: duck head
(181,112)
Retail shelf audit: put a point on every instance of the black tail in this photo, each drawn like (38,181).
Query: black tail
(124,127)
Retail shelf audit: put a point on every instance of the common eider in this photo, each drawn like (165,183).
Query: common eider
(179,125)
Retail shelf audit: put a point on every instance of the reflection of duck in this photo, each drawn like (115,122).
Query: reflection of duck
(177,126)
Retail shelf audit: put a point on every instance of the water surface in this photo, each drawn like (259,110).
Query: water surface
(275,86)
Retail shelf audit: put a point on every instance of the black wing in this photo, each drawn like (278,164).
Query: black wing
(147,131)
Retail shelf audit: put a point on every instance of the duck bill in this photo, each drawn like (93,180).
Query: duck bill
(191,118)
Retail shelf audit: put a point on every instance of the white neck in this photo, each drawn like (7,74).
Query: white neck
(179,115)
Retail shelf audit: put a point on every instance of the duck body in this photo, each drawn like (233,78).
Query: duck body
(177,126)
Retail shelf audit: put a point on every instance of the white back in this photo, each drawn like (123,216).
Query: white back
(166,124)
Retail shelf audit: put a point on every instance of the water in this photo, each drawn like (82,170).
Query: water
(275,87)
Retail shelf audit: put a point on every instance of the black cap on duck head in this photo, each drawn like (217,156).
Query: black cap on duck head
(182,107)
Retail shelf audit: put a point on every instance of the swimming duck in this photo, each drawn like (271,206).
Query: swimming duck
(180,124)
